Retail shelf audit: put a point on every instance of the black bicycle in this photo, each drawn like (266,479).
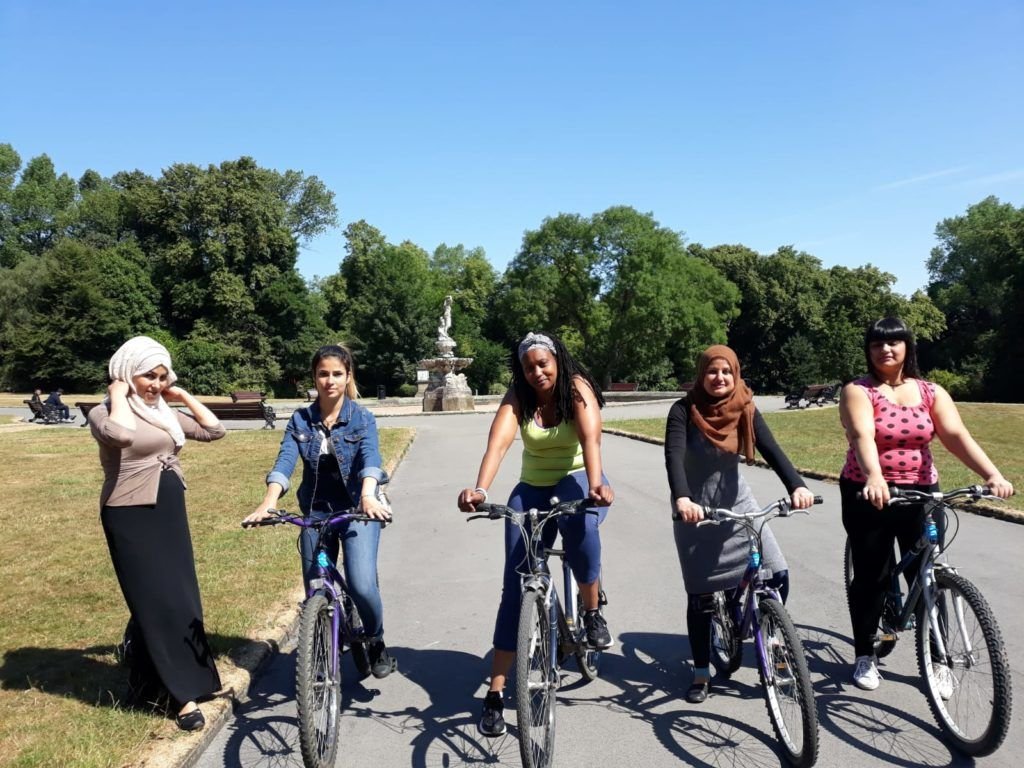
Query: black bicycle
(960,651)
(549,632)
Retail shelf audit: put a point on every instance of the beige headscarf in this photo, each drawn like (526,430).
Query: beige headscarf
(139,355)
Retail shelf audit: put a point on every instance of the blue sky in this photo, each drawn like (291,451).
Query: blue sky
(848,130)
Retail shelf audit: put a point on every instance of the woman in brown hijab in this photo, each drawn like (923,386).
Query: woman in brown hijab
(706,434)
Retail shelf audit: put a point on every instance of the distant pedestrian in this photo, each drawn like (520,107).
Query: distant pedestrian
(56,402)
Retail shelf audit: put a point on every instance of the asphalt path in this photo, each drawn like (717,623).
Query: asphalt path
(441,579)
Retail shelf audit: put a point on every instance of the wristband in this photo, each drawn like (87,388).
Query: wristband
(482,491)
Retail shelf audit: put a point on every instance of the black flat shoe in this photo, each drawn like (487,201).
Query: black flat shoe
(698,692)
(191,721)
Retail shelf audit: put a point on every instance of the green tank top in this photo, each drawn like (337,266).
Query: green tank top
(549,454)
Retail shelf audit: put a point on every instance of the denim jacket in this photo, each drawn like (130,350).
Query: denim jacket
(354,436)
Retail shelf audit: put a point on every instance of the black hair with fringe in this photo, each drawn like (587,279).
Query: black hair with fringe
(565,391)
(892,329)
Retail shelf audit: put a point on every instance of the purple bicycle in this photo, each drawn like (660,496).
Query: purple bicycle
(756,610)
(329,624)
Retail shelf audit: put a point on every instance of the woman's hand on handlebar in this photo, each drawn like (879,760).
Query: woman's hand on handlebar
(999,486)
(688,511)
(262,512)
(469,498)
(371,506)
(603,495)
(802,498)
(876,492)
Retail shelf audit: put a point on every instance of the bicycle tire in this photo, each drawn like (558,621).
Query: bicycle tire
(726,644)
(588,660)
(536,682)
(787,686)
(976,715)
(317,690)
(882,647)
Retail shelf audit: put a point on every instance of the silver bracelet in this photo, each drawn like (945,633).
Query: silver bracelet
(482,491)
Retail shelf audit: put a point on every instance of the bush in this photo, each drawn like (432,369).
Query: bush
(959,386)
(497,388)
(406,390)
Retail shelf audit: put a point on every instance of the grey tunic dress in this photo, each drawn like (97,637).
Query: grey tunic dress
(713,557)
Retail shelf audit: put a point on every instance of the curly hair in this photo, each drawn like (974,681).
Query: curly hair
(566,393)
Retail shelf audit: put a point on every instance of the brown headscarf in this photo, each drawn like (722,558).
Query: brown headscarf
(728,422)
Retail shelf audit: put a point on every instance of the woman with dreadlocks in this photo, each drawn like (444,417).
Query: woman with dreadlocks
(555,405)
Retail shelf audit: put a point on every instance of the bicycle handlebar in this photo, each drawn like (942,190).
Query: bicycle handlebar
(783,507)
(491,511)
(908,495)
(281,516)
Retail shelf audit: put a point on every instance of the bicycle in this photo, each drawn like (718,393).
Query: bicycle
(548,631)
(328,623)
(963,662)
(756,610)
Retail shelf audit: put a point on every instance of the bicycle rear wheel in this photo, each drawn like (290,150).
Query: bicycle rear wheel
(536,682)
(882,647)
(787,685)
(317,685)
(726,644)
(588,660)
(969,691)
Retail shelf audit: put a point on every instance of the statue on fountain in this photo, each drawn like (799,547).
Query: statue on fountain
(447,389)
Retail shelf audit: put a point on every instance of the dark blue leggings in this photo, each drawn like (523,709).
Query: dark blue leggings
(580,539)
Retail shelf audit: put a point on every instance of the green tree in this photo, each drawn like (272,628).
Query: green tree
(36,211)
(977,279)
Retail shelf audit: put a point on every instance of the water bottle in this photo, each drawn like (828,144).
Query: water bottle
(932,531)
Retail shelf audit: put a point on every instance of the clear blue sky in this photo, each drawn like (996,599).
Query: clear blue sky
(846,129)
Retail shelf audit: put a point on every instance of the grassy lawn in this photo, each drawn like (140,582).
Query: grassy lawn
(814,441)
(63,611)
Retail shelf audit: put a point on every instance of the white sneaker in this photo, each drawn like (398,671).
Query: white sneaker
(865,673)
(943,681)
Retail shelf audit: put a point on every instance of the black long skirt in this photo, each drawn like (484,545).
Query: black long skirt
(151,549)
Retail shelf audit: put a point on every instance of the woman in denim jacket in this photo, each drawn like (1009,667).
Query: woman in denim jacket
(336,438)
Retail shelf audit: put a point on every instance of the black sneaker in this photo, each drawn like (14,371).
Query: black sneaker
(382,663)
(492,719)
(598,636)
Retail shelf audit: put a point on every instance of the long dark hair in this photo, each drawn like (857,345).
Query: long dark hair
(892,329)
(565,391)
(345,356)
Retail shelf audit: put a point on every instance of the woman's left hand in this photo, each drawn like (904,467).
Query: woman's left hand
(174,394)
(802,498)
(603,495)
(372,507)
(1000,486)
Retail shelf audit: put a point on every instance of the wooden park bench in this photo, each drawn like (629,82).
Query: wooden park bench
(85,408)
(243,408)
(44,413)
(623,386)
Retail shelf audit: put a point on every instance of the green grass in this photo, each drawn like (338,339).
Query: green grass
(63,611)
(814,441)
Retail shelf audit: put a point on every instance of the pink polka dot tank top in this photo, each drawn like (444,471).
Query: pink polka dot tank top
(902,434)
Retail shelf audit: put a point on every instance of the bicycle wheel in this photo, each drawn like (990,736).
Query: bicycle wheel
(787,685)
(882,647)
(536,682)
(588,661)
(726,644)
(317,686)
(969,693)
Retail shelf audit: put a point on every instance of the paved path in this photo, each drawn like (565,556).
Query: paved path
(441,579)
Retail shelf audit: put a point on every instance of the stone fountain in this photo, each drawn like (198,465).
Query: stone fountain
(447,389)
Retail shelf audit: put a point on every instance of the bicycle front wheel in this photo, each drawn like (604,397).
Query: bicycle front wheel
(536,682)
(787,685)
(969,691)
(317,684)
(726,644)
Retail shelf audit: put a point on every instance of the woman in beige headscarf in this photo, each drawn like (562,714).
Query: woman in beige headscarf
(142,509)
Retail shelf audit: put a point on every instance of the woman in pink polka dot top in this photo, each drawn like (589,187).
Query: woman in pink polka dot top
(890,417)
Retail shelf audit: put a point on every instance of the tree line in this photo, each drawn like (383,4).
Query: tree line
(204,259)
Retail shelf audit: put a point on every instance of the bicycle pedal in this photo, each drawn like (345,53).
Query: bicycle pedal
(889,637)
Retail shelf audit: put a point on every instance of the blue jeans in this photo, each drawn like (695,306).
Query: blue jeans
(359,544)
(580,539)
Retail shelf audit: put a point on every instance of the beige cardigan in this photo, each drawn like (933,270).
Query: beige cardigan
(132,459)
